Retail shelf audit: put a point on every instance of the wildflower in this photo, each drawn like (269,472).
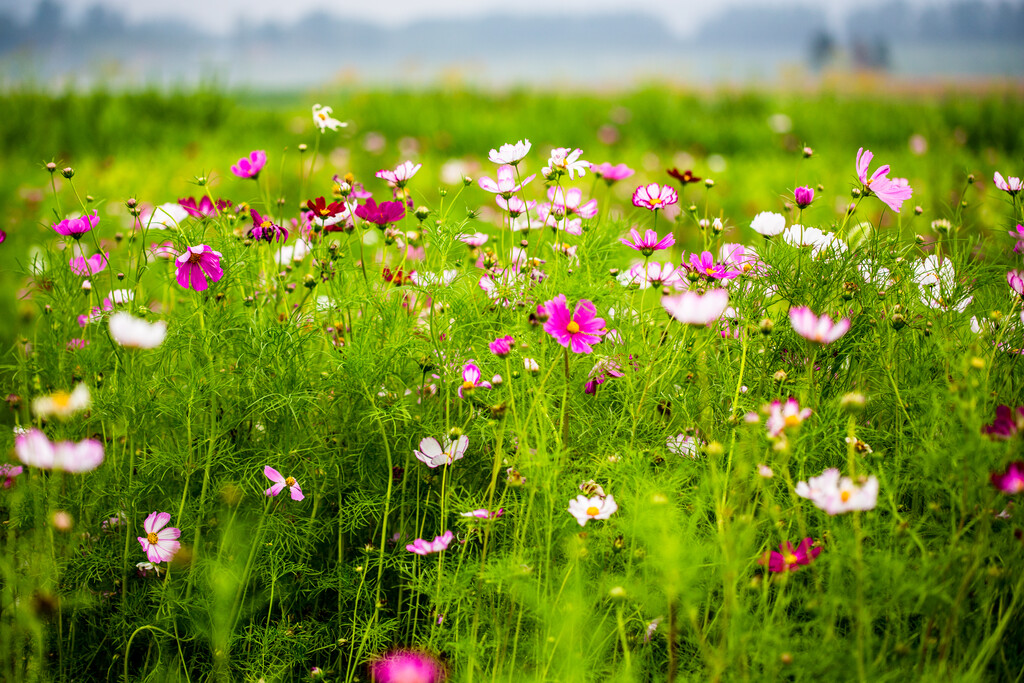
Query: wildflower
(684,445)
(765,471)
(1015,279)
(505,186)
(564,160)
(510,154)
(652,626)
(595,507)
(433,455)
(603,369)
(160,544)
(3,236)
(570,202)
(250,166)
(407,666)
(789,558)
(706,266)
(1012,480)
(35,450)
(327,214)
(135,332)
(531,366)
(477,239)
(611,174)
(471,380)
(8,473)
(654,196)
(1006,424)
(652,274)
(62,404)
(168,215)
(383,214)
(649,243)
(685,178)
(818,241)
(576,331)
(836,496)
(120,296)
(821,330)
(198,264)
(483,513)
(936,281)
(784,416)
(892,192)
(280,482)
(264,229)
(502,346)
(145,568)
(515,207)
(768,223)
(803,196)
(402,174)
(76,227)
(1018,234)
(85,267)
(323,120)
(205,208)
(741,258)
(422,547)
(514,478)
(1010,185)
(114,522)
(694,309)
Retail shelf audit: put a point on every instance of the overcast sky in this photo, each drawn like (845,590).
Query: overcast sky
(680,15)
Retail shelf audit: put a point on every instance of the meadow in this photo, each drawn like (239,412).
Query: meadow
(455,385)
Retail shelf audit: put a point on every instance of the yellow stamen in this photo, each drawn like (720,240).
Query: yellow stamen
(592,511)
(152,538)
(573,327)
(792,420)
(845,496)
(266,224)
(468,385)
(323,116)
(61,399)
(789,558)
(289,481)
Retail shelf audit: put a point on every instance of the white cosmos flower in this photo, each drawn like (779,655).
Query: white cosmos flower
(434,455)
(768,223)
(595,507)
(510,154)
(323,120)
(135,332)
(565,160)
(62,404)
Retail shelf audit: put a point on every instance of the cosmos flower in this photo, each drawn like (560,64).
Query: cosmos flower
(264,229)
(165,216)
(502,346)
(694,309)
(685,177)
(422,547)
(407,666)
(323,120)
(62,404)
(401,175)
(649,243)
(483,513)
(250,166)
(741,258)
(685,445)
(433,455)
(820,330)
(35,450)
(611,174)
(280,482)
(1010,185)
(1018,234)
(86,267)
(789,558)
(381,214)
(570,202)
(1015,279)
(596,507)
(892,192)
(76,227)
(471,380)
(705,265)
(565,161)
(1012,480)
(204,208)
(8,473)
(516,207)
(784,416)
(768,223)
(510,154)
(505,186)
(819,242)
(576,331)
(1008,422)
(654,196)
(198,266)
(160,544)
(135,332)
(603,370)
(837,495)
(803,196)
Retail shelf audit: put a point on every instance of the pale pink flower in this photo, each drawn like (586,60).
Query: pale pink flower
(596,507)
(515,207)
(505,186)
(611,174)
(35,450)
(649,243)
(433,455)
(892,192)
(401,175)
(422,547)
(569,202)
(783,416)
(694,309)
(483,513)
(85,267)
(821,330)
(836,496)
(323,120)
(1011,185)
(1015,279)
(280,482)
(654,196)
(565,160)
(160,544)
(62,404)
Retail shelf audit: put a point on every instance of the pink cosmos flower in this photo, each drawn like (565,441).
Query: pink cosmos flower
(196,265)
(649,243)
(515,207)
(205,208)
(803,196)
(565,161)
(434,455)
(705,265)
(684,444)
(1011,185)
(603,370)
(502,346)
(250,166)
(1018,234)
(789,558)
(8,473)
(35,450)
(741,258)
(783,416)
(483,513)
(85,267)
(569,202)
(611,174)
(891,192)
(654,196)
(422,547)
(505,186)
(597,507)
(264,229)
(383,214)
(1012,480)
(76,227)
(1006,424)
(401,175)
(836,496)
(477,239)
(821,330)
(3,236)
(1015,279)
(576,331)
(694,309)
(159,544)
(471,380)
(280,482)
(407,666)
(653,274)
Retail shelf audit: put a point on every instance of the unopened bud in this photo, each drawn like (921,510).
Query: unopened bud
(51,167)
(709,183)
(68,172)
(766,326)
(808,152)
(421,213)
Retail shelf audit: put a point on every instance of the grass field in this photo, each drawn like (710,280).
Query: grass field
(365,342)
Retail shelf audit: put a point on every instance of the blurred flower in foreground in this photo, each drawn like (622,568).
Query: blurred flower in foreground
(595,507)
(611,174)
(836,496)
(35,450)
(407,666)
(135,332)
(422,547)
(433,455)
(1012,480)
(8,473)
(694,309)
(160,544)
(789,558)
(783,416)
(280,482)
(817,329)
(62,404)
(323,120)
(1007,423)
(198,264)
(250,166)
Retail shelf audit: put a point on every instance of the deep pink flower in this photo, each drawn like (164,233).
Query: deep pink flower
(821,330)
(89,266)
(198,264)
(76,227)
(280,481)
(159,544)
(505,186)
(1012,480)
(422,547)
(1017,233)
(263,228)
(471,380)
(1007,423)
(381,214)
(789,558)
(611,174)
(3,236)
(1011,185)
(803,196)
(502,346)
(8,473)
(250,166)
(407,666)
(1015,279)
(654,196)
(205,208)
(892,192)
(706,266)
(694,309)
(577,331)
(649,243)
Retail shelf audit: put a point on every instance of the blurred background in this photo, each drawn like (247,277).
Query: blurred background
(274,45)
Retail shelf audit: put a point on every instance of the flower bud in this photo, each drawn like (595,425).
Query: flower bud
(421,213)
(766,326)
(808,152)
(51,167)
(302,147)
(853,402)
(918,210)
(709,183)
(855,192)
(68,172)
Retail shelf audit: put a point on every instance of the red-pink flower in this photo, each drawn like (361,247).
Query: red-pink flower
(250,166)
(76,227)
(649,243)
(159,544)
(1012,480)
(654,196)
(821,330)
(85,267)
(789,558)
(576,331)
(1011,185)
(892,192)
(381,214)
(198,265)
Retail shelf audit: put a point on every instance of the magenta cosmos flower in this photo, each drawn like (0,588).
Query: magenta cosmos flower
(576,331)
(381,214)
(704,264)
(1017,233)
(1015,278)
(160,544)
(654,196)
(611,174)
(422,547)
(76,227)
(803,196)
(821,330)
(649,243)
(693,309)
(1010,185)
(471,380)
(789,558)
(204,208)
(1007,423)
(891,192)
(505,186)
(502,346)
(264,229)
(280,481)
(85,267)
(1012,480)
(198,264)
(250,166)
(407,666)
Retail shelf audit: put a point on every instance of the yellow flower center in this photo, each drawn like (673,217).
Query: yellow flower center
(573,327)
(265,224)
(323,116)
(789,558)
(289,481)
(325,212)
(152,538)
(61,399)
(656,201)
(592,511)
(845,496)
(468,385)
(792,420)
